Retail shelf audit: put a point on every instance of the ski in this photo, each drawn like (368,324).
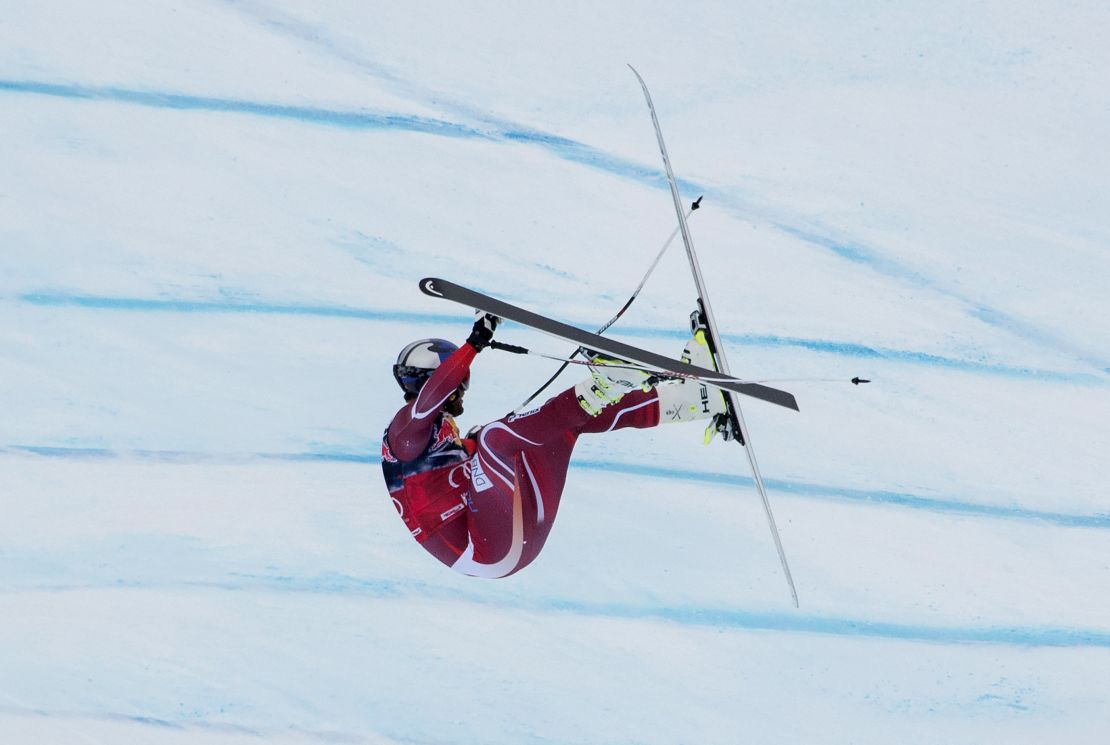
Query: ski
(736,417)
(446,290)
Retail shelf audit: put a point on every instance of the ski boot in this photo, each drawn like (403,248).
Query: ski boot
(689,400)
(610,379)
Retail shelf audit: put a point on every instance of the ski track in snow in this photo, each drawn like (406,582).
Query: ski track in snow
(827,346)
(566,149)
(77,721)
(687,614)
(805,490)
(303,114)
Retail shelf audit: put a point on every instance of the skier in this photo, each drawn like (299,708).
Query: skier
(484,504)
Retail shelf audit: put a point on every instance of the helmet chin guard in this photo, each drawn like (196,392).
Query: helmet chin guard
(418,360)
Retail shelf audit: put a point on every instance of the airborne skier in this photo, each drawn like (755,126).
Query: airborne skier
(493,524)
(484,504)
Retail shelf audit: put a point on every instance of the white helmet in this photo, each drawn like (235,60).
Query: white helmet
(417,360)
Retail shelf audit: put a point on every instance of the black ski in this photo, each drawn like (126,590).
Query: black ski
(442,288)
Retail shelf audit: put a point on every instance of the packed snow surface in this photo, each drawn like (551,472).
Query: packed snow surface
(213,218)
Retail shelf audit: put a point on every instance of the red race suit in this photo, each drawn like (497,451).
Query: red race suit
(484,505)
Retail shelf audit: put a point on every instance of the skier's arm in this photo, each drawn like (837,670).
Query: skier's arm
(411,428)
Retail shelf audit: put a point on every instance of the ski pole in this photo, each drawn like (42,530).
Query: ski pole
(636,293)
(663,375)
(659,374)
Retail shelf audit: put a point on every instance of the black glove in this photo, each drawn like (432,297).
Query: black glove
(482,333)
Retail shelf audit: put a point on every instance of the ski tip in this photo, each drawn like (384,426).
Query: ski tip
(428,286)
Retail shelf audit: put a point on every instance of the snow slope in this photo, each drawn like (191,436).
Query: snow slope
(212,220)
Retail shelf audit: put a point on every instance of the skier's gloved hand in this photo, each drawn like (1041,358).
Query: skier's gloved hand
(482,333)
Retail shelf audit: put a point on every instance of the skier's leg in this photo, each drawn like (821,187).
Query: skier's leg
(500,441)
(639,409)
(518,474)
(517,478)
(519,470)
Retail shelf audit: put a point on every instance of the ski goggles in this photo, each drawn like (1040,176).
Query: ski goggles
(412,379)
